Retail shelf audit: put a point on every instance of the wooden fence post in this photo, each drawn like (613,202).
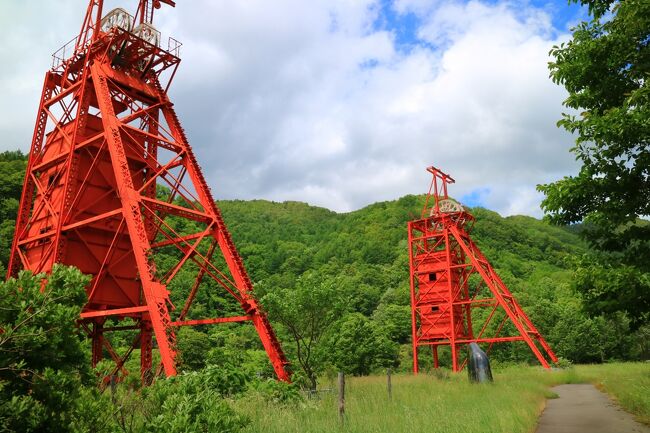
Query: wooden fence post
(389,384)
(342,397)
(113,385)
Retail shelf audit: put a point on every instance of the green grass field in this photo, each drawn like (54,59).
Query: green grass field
(448,403)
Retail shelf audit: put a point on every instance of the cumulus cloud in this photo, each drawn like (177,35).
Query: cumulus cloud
(318,101)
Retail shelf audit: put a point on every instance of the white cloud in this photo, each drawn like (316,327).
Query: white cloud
(29,35)
(309,101)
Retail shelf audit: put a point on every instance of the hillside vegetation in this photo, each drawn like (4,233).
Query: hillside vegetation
(336,290)
(363,254)
(357,262)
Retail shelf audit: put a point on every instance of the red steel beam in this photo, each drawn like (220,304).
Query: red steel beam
(115,312)
(211,321)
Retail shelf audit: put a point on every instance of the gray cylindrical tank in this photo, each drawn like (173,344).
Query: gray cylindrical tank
(478,365)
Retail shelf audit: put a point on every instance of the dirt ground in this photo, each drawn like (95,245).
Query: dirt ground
(584,409)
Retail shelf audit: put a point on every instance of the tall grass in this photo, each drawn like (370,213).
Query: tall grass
(627,383)
(424,403)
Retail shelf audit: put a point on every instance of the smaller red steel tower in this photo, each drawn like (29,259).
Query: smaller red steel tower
(457,298)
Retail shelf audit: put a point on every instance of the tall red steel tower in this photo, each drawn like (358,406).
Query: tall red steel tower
(109,164)
(457,298)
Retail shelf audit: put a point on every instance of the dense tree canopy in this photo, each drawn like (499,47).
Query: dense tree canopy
(605,69)
(12,172)
(307,311)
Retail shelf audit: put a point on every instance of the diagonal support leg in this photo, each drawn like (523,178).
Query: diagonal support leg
(222,237)
(155,294)
(509,305)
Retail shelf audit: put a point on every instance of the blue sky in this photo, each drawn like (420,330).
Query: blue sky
(405,26)
(341,103)
(475,197)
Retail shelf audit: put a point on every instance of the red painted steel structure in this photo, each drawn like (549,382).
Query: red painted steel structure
(105,143)
(451,280)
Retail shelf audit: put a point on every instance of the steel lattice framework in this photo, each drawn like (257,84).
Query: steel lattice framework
(109,164)
(457,298)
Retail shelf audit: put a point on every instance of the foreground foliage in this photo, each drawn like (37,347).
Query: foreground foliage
(43,360)
(187,403)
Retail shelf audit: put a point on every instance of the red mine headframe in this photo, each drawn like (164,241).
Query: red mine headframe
(457,298)
(109,164)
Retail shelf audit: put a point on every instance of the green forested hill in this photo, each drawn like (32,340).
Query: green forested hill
(364,252)
(266,232)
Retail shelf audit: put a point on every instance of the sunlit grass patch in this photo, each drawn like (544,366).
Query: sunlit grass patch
(511,404)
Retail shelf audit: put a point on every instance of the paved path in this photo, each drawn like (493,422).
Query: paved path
(584,409)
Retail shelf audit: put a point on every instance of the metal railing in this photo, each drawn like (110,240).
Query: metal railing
(174,47)
(117,18)
(63,53)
